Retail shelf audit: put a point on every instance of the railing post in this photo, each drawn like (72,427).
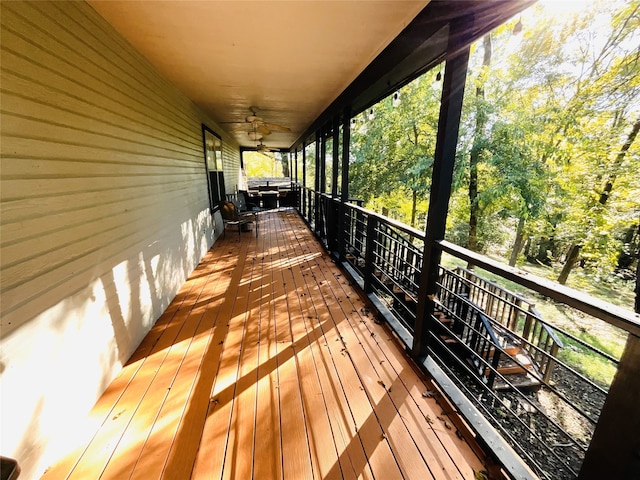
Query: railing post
(369,255)
(614,451)
(550,363)
(444,159)
(526,331)
(359,234)
(495,363)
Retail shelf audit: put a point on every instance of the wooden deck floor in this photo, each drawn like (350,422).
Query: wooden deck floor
(267,365)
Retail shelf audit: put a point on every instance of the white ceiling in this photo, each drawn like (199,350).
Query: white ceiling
(290,59)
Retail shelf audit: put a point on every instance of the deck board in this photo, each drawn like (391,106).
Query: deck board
(268,366)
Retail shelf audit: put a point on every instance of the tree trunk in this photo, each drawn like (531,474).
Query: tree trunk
(414,201)
(572,256)
(518,243)
(472,243)
(474,156)
(527,248)
(544,246)
(285,164)
(604,196)
(608,186)
(637,303)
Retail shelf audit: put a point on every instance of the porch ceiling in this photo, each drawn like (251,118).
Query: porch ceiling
(289,59)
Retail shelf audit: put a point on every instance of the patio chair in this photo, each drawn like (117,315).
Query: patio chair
(231,216)
(244,205)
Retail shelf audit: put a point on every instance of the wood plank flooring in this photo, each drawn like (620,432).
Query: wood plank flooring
(267,365)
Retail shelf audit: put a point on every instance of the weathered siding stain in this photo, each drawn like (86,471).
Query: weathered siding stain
(104,213)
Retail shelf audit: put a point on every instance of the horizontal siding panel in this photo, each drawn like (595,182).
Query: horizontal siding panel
(43,168)
(48,289)
(60,86)
(21,117)
(94,224)
(231,166)
(23,217)
(35,275)
(37,47)
(24,147)
(31,188)
(134,66)
(29,96)
(103,205)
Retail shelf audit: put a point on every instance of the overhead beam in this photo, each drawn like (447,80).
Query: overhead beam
(422,45)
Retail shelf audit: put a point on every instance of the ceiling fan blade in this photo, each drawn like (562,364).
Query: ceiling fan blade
(242,127)
(277,128)
(263,130)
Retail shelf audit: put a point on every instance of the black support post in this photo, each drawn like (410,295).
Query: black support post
(332,213)
(614,451)
(336,157)
(323,162)
(303,193)
(447,138)
(318,184)
(344,187)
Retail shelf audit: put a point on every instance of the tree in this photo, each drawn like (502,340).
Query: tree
(478,144)
(568,92)
(606,100)
(596,208)
(392,147)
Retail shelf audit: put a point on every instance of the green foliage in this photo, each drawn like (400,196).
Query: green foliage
(392,148)
(261,165)
(546,120)
(556,113)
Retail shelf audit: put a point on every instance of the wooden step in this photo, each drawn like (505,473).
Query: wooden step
(386,281)
(509,369)
(521,381)
(512,350)
(449,340)
(507,365)
(442,318)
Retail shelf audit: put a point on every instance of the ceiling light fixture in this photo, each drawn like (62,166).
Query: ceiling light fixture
(517,28)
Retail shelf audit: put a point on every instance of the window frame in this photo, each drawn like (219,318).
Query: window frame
(212,149)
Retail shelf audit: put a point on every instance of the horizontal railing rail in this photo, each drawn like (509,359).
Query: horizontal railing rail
(385,258)
(612,314)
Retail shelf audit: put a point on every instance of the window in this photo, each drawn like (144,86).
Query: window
(213,162)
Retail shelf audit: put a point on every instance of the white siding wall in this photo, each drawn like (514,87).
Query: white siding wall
(104,213)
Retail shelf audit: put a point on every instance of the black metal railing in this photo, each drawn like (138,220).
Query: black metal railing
(473,329)
(514,312)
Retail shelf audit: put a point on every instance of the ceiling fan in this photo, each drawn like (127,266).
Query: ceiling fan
(255,125)
(262,148)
